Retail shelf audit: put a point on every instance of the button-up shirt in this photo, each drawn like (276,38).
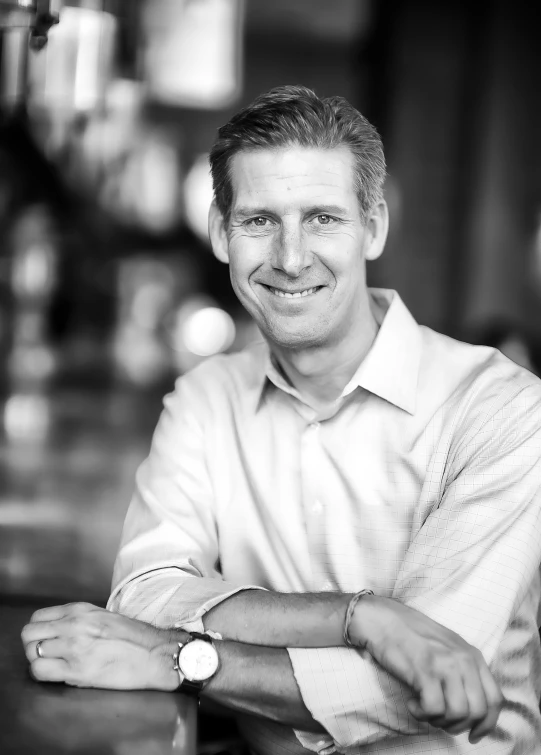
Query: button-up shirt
(421,483)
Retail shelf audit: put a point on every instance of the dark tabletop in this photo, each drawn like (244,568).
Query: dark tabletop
(51,719)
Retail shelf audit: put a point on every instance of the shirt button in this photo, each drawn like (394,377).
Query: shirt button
(314,426)
(317,508)
(326,586)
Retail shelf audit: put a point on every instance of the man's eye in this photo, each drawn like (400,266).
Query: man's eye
(259,222)
(324,219)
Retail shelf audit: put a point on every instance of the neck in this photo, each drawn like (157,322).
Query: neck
(321,373)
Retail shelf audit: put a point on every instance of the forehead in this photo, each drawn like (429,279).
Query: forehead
(293,172)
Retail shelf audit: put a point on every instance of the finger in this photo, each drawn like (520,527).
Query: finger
(53,613)
(456,717)
(431,701)
(457,709)
(466,703)
(31,633)
(495,701)
(414,707)
(56,648)
(440,722)
(31,650)
(50,670)
(68,624)
(475,691)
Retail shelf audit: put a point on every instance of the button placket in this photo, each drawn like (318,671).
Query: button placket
(314,506)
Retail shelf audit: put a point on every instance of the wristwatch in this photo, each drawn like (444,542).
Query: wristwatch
(196,662)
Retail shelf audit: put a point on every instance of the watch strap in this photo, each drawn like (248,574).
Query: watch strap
(187,687)
(200,636)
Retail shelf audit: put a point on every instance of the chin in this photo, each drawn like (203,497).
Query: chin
(294,339)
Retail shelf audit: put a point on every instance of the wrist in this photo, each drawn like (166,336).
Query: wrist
(363,625)
(162,675)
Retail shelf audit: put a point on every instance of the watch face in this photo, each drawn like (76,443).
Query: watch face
(198,660)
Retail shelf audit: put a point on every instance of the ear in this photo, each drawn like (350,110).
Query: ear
(217,233)
(377,226)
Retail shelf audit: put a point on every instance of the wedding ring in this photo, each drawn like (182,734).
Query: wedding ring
(38,649)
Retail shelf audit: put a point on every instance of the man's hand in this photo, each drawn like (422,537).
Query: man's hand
(455,690)
(86,646)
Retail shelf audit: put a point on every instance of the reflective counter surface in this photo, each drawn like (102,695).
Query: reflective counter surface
(51,719)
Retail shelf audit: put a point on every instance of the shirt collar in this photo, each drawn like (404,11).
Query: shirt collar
(390,369)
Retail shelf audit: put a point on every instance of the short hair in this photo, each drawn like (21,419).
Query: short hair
(295,116)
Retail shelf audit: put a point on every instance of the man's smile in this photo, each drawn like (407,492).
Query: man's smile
(300,293)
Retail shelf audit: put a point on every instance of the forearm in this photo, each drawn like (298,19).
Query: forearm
(169,597)
(256,676)
(280,620)
(259,681)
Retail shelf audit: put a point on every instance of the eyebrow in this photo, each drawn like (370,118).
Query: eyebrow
(249,212)
(327,209)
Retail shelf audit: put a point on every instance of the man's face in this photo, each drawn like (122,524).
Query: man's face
(296,244)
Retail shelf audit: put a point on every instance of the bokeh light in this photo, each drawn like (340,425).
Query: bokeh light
(208,331)
(27,417)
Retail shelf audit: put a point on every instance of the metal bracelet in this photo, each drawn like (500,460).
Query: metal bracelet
(349,615)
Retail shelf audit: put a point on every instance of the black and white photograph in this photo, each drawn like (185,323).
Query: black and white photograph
(270,377)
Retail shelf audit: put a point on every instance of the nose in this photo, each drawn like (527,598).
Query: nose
(290,253)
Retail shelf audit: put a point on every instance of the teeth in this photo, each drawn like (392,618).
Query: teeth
(296,295)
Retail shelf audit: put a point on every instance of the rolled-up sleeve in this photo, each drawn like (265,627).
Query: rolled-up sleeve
(470,565)
(167,568)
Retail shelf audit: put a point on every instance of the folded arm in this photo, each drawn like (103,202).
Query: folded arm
(452,570)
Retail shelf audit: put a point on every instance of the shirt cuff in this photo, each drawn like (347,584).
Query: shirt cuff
(168,598)
(195,622)
(320,743)
(356,701)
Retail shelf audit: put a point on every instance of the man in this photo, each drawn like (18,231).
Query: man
(349,452)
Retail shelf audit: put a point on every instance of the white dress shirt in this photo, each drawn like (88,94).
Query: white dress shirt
(423,484)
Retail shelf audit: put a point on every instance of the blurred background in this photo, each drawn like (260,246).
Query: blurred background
(108,287)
